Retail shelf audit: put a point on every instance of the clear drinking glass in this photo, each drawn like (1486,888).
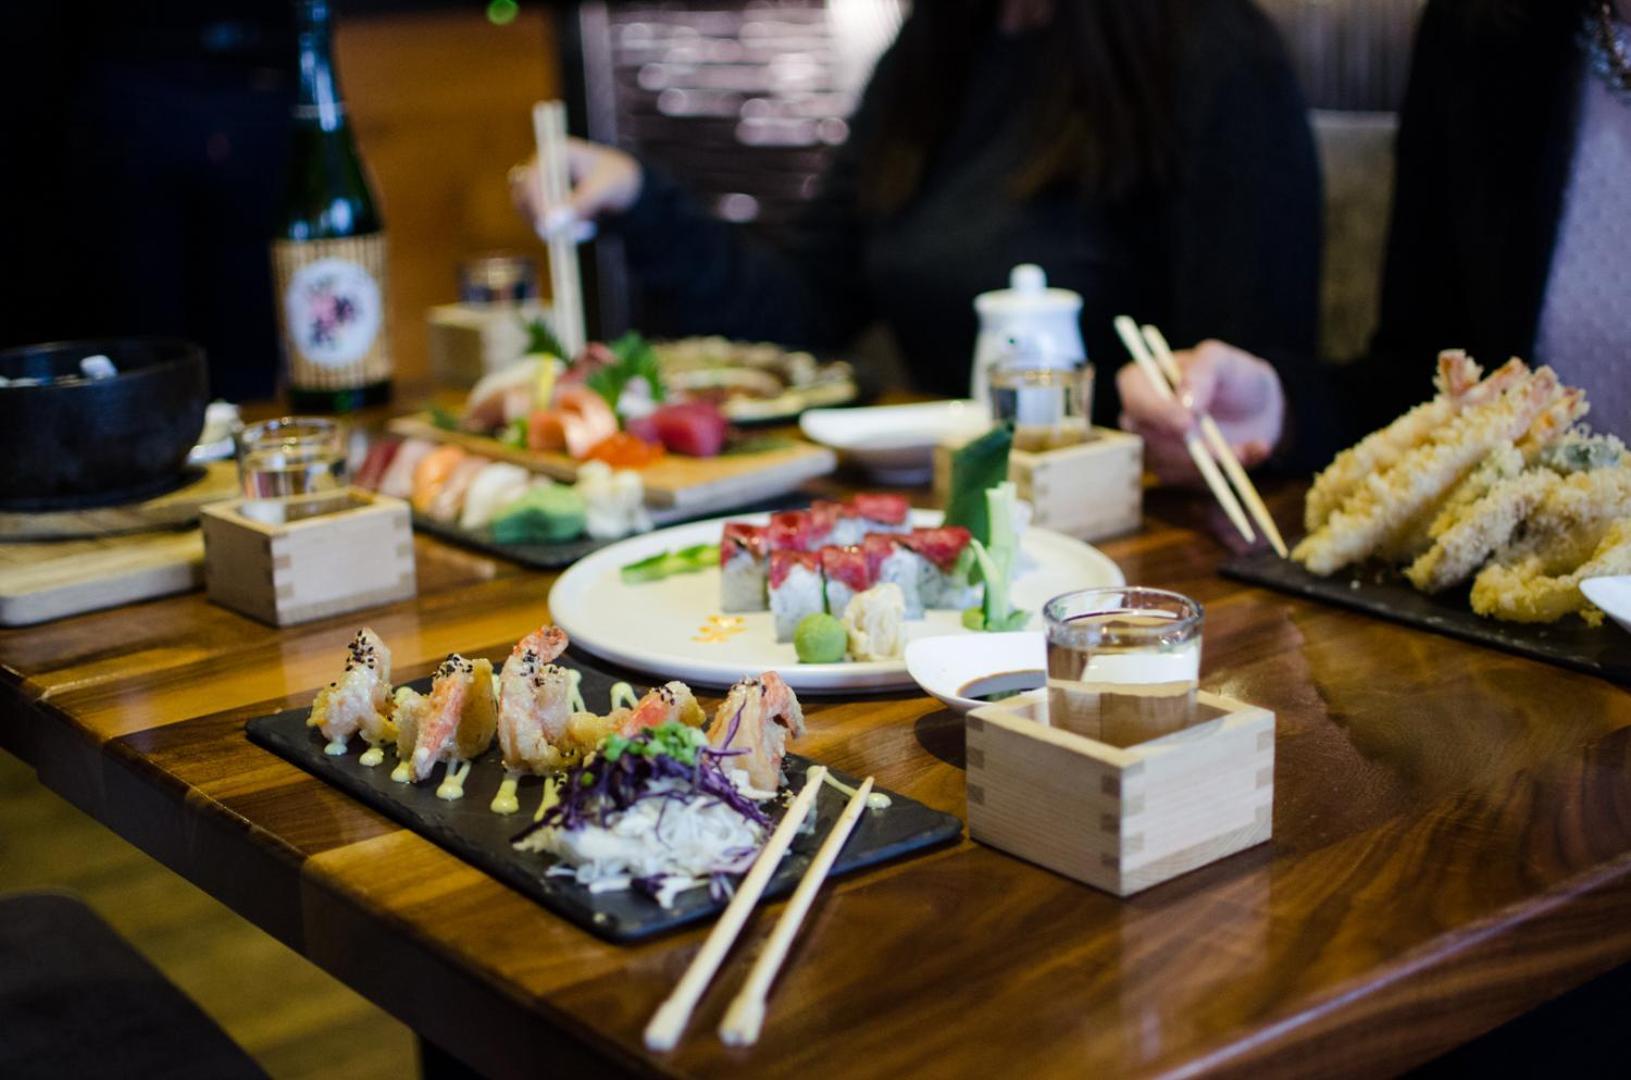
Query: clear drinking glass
(1049,407)
(291,467)
(1123,663)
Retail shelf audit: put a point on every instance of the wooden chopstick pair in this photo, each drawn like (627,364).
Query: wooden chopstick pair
(745,1016)
(1154,358)
(555,184)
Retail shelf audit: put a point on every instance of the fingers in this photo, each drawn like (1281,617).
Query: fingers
(1146,407)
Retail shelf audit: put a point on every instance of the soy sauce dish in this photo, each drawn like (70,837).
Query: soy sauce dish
(966,671)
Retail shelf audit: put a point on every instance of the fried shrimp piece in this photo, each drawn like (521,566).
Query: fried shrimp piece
(1457,375)
(1387,503)
(1466,536)
(1523,591)
(534,702)
(1572,519)
(359,701)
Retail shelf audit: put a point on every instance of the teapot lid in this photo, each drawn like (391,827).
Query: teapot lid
(1027,293)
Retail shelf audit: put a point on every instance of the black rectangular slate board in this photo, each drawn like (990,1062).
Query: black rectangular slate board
(482,838)
(1603,650)
(558,556)
(536,556)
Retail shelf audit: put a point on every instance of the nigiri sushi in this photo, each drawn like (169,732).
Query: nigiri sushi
(380,455)
(432,472)
(398,479)
(446,503)
(494,487)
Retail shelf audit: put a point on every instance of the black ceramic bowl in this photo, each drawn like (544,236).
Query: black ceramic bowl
(96,442)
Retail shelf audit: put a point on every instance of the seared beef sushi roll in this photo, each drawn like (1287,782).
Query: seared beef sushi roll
(847,570)
(744,565)
(795,589)
(947,559)
(897,564)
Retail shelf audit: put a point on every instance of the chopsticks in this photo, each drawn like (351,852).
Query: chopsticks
(555,184)
(1198,453)
(668,1023)
(746,1014)
(1214,437)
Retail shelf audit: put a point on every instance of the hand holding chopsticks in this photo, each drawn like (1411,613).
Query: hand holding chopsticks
(1154,358)
(668,1024)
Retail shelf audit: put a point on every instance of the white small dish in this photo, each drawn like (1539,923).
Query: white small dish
(960,670)
(1613,595)
(895,442)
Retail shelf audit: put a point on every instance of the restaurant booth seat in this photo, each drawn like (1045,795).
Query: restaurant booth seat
(76,1000)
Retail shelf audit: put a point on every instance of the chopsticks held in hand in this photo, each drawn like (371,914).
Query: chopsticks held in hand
(1154,358)
(668,1023)
(746,1014)
(555,182)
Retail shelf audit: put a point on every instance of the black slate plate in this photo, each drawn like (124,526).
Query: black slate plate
(1604,650)
(536,556)
(559,556)
(482,838)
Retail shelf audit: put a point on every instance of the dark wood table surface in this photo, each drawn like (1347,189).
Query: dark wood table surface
(1452,847)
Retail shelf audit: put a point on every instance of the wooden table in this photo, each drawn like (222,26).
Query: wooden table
(1452,846)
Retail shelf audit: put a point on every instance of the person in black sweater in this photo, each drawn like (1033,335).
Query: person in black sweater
(1151,155)
(1511,230)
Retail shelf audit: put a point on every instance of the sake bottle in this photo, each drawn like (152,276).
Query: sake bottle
(328,254)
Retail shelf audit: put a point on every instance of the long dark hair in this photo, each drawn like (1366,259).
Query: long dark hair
(1102,112)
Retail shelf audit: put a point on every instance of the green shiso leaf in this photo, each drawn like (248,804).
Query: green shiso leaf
(980,465)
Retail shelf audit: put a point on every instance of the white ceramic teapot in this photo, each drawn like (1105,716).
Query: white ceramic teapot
(1028,322)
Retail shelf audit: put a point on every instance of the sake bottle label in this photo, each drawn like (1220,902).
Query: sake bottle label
(333,311)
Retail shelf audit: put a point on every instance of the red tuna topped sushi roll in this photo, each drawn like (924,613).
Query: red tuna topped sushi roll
(848,570)
(795,589)
(945,552)
(744,566)
(897,562)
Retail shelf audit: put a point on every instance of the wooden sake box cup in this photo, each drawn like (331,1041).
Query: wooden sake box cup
(355,555)
(1118,819)
(1090,490)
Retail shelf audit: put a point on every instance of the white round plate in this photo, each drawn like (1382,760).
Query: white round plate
(1613,595)
(673,629)
(945,667)
(896,441)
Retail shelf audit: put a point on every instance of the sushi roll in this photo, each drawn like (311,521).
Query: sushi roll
(945,551)
(398,479)
(791,530)
(832,525)
(881,513)
(495,487)
(795,589)
(848,571)
(449,500)
(744,564)
(898,565)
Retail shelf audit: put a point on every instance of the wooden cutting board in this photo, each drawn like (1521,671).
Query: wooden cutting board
(217,480)
(692,486)
(52,579)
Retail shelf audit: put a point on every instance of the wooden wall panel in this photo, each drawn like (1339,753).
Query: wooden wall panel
(441,104)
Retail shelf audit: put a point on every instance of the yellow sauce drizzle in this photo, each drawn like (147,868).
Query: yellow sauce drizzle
(335,748)
(403,772)
(505,801)
(623,695)
(575,694)
(877,800)
(372,756)
(551,797)
(719,629)
(452,785)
